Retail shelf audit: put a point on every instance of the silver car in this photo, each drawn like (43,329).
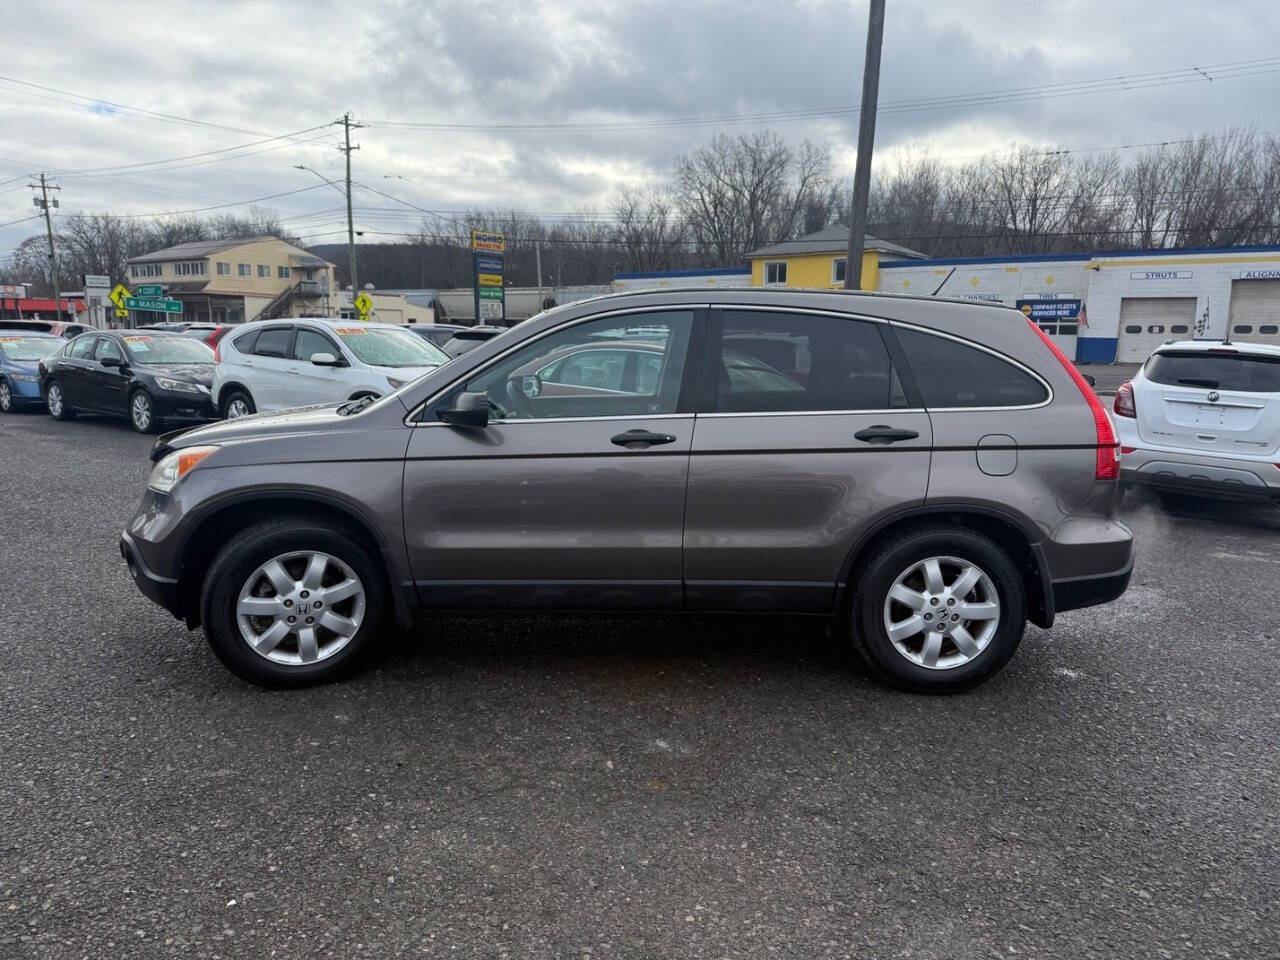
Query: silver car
(928,474)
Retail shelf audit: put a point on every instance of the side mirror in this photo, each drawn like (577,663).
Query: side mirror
(470,410)
(111,362)
(1090,379)
(325,360)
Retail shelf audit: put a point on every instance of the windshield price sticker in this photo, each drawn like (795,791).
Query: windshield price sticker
(350,331)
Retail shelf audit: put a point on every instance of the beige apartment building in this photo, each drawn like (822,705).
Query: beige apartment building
(231,281)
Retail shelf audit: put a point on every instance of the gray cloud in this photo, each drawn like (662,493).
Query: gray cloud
(285,65)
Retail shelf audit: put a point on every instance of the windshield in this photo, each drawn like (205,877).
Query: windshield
(29,348)
(145,349)
(380,347)
(1215,371)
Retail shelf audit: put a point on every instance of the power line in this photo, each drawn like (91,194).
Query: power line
(93,171)
(81,99)
(1171,77)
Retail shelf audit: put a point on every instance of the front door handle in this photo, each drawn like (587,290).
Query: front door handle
(881,433)
(639,439)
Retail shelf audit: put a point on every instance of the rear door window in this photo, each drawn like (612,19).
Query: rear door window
(1215,371)
(795,362)
(274,342)
(951,374)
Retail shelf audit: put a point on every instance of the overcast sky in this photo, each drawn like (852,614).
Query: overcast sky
(272,68)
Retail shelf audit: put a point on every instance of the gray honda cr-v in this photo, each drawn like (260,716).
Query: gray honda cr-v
(930,474)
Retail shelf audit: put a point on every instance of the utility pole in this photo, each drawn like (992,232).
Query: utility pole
(537,252)
(43,202)
(347,125)
(866,141)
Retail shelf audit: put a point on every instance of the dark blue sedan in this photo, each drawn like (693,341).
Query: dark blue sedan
(20,353)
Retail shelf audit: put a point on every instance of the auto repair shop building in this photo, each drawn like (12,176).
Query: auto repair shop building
(1115,306)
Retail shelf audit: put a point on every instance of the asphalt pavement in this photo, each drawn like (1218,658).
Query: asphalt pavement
(683,788)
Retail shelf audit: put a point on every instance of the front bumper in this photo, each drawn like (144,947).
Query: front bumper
(158,589)
(174,405)
(1195,473)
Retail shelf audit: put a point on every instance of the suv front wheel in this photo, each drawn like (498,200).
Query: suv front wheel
(292,602)
(939,610)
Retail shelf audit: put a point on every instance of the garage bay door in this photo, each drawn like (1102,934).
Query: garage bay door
(1147,322)
(1255,311)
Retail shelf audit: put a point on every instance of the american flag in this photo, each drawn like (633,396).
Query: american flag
(1083,316)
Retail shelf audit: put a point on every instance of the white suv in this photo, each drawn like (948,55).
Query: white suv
(275,364)
(1203,417)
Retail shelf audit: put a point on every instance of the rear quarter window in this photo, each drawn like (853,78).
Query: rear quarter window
(1215,371)
(953,374)
(245,342)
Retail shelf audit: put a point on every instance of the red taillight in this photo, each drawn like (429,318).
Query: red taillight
(217,354)
(1125,450)
(1108,462)
(1125,405)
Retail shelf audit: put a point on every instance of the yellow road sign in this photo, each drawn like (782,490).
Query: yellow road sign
(117,296)
(363,304)
(122,313)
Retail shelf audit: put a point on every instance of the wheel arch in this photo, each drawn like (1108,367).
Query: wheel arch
(1011,533)
(209,530)
(229,386)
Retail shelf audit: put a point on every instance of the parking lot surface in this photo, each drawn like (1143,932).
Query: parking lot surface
(552,787)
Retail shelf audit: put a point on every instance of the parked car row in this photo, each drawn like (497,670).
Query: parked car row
(153,375)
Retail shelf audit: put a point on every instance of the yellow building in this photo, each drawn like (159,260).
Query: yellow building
(230,281)
(817,261)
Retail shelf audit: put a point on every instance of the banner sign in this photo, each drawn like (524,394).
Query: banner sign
(1050,309)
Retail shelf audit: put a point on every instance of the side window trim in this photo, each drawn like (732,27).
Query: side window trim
(417,417)
(1048,388)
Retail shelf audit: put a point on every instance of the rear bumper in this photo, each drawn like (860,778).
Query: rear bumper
(1201,475)
(158,589)
(1092,590)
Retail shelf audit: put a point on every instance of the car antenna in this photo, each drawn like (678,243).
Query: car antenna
(938,288)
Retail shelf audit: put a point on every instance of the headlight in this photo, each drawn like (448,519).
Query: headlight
(180,386)
(175,466)
(395,384)
(27,377)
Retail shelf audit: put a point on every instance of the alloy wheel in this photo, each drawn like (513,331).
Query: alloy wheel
(300,608)
(237,408)
(140,410)
(6,396)
(942,612)
(55,399)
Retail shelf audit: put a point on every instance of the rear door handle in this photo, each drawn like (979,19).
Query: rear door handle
(880,433)
(292,370)
(639,439)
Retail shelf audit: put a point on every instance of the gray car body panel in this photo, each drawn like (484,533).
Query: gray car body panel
(742,511)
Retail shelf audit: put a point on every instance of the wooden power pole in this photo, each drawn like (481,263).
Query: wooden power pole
(866,142)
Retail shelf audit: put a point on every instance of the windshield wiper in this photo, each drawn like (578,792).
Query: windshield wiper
(354,406)
(1199,382)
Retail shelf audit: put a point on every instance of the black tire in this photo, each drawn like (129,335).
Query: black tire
(149,423)
(237,561)
(232,397)
(6,396)
(64,411)
(877,576)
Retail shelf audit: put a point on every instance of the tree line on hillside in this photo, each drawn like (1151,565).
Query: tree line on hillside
(738,193)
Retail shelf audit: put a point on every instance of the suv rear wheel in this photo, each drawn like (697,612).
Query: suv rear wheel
(237,404)
(939,610)
(292,602)
(56,402)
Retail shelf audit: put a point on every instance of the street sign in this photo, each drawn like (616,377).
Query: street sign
(149,290)
(96,280)
(122,313)
(363,304)
(483,240)
(154,305)
(118,294)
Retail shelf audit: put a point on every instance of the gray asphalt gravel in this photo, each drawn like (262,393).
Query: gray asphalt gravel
(627,788)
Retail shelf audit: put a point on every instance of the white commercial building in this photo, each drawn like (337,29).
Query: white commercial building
(1116,306)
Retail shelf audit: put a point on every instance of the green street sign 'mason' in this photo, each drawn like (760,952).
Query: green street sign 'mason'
(156,306)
